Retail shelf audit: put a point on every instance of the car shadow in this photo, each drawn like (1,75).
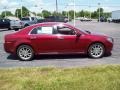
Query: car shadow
(50,57)
(55,57)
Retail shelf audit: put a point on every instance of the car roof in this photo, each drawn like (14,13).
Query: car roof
(48,23)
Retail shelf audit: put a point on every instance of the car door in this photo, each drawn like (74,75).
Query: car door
(1,23)
(6,23)
(68,41)
(43,40)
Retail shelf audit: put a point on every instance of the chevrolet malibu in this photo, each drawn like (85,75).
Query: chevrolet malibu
(56,38)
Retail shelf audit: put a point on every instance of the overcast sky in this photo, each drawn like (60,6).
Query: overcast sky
(108,5)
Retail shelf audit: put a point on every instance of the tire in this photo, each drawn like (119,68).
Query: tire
(26,25)
(16,29)
(25,53)
(96,50)
(9,28)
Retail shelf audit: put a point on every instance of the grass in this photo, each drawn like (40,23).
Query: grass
(89,78)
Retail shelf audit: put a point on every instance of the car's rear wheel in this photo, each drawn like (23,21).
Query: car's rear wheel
(25,53)
(96,50)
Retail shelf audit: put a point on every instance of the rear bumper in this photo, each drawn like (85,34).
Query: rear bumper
(9,47)
(17,27)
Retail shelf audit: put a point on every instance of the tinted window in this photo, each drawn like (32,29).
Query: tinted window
(32,18)
(65,31)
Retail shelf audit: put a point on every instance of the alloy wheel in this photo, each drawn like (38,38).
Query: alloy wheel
(96,50)
(25,52)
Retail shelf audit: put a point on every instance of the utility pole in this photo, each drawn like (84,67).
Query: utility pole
(17,13)
(90,11)
(5,11)
(42,12)
(99,11)
(74,12)
(36,6)
(21,9)
(56,6)
(90,8)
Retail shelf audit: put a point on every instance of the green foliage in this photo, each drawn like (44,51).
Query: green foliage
(71,14)
(39,14)
(18,13)
(89,78)
(25,12)
(8,13)
(64,13)
(46,13)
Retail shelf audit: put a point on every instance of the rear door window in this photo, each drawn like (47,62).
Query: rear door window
(42,30)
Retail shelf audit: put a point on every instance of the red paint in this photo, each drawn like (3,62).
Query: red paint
(54,43)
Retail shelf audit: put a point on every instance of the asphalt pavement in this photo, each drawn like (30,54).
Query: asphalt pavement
(111,29)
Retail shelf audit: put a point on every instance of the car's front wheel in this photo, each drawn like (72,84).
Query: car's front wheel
(25,53)
(96,50)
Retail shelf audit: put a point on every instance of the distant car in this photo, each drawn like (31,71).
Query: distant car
(27,21)
(16,24)
(85,19)
(56,38)
(102,19)
(56,19)
(5,24)
(40,20)
(109,20)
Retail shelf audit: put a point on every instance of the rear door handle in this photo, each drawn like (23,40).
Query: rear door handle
(33,37)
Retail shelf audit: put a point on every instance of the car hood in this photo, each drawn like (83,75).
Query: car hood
(96,34)
(99,34)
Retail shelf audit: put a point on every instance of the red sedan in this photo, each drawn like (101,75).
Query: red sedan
(56,38)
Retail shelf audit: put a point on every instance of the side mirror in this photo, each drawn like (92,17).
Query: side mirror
(78,34)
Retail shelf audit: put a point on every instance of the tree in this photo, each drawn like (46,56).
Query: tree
(25,12)
(18,13)
(101,11)
(82,13)
(39,14)
(107,14)
(71,14)
(57,13)
(7,13)
(64,13)
(94,14)
(46,13)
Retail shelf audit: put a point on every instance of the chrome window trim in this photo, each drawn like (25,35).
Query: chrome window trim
(50,34)
(41,33)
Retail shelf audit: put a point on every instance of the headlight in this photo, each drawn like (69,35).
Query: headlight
(110,39)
